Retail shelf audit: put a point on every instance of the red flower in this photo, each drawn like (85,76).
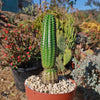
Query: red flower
(1,58)
(18,57)
(28,56)
(5,54)
(23,56)
(16,34)
(8,25)
(14,31)
(27,53)
(12,56)
(37,31)
(97,35)
(6,31)
(7,46)
(30,47)
(6,38)
(21,24)
(3,36)
(11,63)
(73,66)
(19,60)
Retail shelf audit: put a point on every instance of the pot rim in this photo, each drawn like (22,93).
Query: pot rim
(23,69)
(53,94)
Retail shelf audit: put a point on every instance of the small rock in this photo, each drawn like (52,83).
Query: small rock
(63,86)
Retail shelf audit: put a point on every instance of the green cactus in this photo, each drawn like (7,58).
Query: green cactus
(48,49)
(61,43)
(65,55)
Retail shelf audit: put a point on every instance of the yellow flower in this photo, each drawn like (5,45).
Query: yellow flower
(43,2)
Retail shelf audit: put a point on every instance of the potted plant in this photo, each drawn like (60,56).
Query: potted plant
(21,51)
(49,86)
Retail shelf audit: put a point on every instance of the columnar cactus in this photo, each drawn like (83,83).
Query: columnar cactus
(48,49)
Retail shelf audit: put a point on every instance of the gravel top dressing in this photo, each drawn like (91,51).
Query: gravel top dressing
(63,86)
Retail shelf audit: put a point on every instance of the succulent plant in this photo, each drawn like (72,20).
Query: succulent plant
(87,74)
(87,26)
(64,55)
(48,50)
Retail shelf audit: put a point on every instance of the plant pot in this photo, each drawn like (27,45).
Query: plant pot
(21,74)
(33,95)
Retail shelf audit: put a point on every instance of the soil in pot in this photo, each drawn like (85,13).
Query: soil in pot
(63,90)
(21,74)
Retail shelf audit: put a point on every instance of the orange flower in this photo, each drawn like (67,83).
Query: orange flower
(18,48)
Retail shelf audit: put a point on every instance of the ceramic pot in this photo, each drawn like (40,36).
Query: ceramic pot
(33,95)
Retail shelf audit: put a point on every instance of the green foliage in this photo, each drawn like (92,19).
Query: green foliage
(61,3)
(69,35)
(29,10)
(48,48)
(26,23)
(38,22)
(98,18)
(11,19)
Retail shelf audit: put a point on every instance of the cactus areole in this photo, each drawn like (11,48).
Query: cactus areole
(48,49)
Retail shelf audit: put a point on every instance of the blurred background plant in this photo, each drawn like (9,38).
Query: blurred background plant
(29,10)
(91,25)
(93,38)
(87,75)
(21,46)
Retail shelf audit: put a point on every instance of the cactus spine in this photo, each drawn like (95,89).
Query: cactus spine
(48,48)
